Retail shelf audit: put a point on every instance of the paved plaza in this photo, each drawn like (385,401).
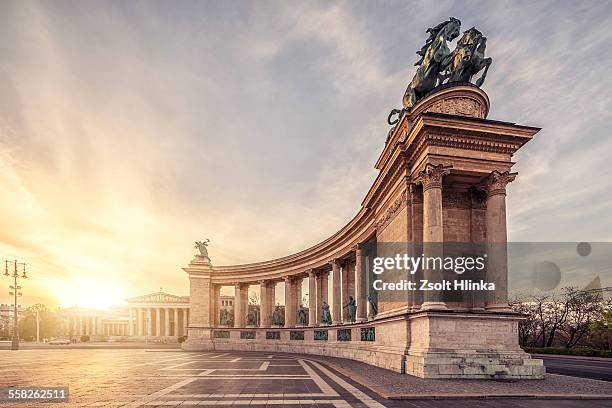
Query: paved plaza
(135,378)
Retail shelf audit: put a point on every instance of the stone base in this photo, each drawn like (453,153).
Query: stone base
(468,345)
(198,339)
(475,365)
(426,344)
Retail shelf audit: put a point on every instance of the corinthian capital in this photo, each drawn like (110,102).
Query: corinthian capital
(496,182)
(431,176)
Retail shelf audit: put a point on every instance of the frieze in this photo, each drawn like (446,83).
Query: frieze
(392,211)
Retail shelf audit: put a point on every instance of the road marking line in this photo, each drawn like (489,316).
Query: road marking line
(236,360)
(264,366)
(323,386)
(220,355)
(362,396)
(146,400)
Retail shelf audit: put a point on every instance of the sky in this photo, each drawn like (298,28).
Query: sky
(129,130)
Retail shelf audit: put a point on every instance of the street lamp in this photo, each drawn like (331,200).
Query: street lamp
(16,291)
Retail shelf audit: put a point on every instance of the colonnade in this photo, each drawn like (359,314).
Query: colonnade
(348,281)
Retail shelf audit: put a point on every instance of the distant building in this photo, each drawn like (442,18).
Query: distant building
(6,318)
(157,316)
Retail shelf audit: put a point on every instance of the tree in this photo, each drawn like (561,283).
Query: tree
(584,308)
(49,324)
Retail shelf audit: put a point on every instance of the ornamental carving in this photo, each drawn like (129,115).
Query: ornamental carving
(496,182)
(391,211)
(458,106)
(432,176)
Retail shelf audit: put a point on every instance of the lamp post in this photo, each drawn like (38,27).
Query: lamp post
(15,292)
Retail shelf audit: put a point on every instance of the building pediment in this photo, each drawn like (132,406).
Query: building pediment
(159,297)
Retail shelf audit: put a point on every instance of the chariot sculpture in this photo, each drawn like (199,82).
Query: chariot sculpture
(438,64)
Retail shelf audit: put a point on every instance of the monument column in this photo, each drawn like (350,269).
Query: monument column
(239,304)
(264,294)
(433,229)
(290,302)
(360,296)
(496,238)
(336,301)
(312,296)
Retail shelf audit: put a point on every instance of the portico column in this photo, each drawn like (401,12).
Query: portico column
(264,294)
(166,321)
(149,322)
(433,229)
(360,296)
(217,294)
(313,314)
(496,235)
(157,321)
(131,326)
(176,323)
(140,321)
(239,305)
(290,301)
(336,301)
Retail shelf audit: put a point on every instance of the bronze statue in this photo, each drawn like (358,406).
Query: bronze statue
(435,58)
(201,246)
(326,316)
(373,300)
(302,316)
(438,64)
(351,307)
(468,58)
(278,318)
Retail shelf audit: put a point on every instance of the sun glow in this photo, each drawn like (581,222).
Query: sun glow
(90,293)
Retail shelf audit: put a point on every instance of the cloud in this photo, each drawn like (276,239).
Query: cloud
(127,131)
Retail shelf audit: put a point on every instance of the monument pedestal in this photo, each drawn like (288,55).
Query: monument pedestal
(202,306)
(468,345)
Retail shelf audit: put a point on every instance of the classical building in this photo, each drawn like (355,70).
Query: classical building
(158,315)
(96,324)
(442,178)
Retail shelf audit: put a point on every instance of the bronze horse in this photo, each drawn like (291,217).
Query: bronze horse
(435,58)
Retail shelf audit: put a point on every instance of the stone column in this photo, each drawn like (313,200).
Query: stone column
(139,319)
(319,299)
(313,314)
(166,321)
(497,251)
(290,302)
(149,322)
(264,307)
(240,304)
(360,295)
(433,229)
(175,332)
(131,322)
(157,321)
(336,301)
